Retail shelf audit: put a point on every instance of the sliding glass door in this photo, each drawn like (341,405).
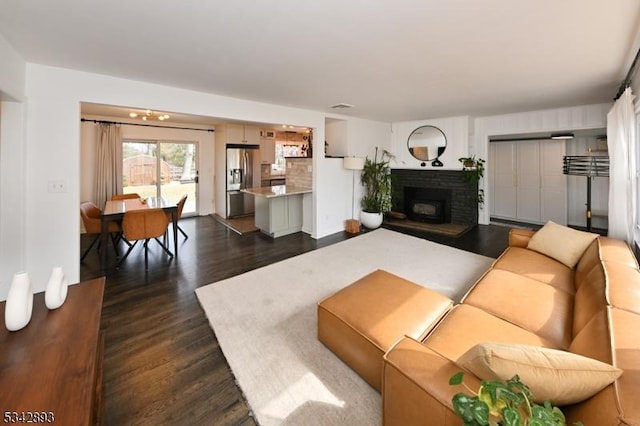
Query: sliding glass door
(161,169)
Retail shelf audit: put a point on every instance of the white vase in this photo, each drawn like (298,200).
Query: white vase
(371,220)
(19,304)
(56,292)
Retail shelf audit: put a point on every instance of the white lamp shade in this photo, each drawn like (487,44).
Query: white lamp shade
(353,163)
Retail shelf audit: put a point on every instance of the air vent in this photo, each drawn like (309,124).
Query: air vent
(341,106)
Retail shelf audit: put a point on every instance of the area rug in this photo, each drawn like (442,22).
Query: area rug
(266,321)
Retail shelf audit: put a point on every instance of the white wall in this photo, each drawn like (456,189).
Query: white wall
(204,139)
(12,190)
(456,131)
(336,133)
(12,165)
(552,120)
(53,153)
(360,137)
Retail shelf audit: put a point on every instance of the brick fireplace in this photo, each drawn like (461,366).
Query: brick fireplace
(435,196)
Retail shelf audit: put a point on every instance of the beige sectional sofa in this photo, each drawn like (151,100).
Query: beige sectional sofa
(526,298)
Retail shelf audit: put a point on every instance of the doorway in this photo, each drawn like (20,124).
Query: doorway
(161,169)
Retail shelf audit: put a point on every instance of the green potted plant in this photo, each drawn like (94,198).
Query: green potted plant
(506,404)
(473,170)
(376,178)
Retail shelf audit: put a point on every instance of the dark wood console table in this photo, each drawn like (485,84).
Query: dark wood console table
(52,368)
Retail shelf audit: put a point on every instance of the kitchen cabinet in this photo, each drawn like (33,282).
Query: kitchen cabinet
(279,216)
(278,209)
(267,151)
(238,133)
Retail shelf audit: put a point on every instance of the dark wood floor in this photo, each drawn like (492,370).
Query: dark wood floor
(162,362)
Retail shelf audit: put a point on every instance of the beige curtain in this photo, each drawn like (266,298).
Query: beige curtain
(108,163)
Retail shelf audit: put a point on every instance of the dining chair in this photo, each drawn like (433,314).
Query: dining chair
(124,196)
(144,225)
(181,204)
(91,219)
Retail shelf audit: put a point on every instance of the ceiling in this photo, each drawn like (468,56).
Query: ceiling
(393,60)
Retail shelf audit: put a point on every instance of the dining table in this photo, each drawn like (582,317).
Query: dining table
(114,210)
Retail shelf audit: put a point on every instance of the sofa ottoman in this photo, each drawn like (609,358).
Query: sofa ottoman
(363,320)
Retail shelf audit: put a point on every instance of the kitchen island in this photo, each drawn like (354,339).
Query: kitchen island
(278,209)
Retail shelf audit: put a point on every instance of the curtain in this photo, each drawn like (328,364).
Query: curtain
(108,163)
(621,140)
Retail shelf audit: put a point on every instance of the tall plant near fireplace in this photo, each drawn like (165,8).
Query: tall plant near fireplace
(376,178)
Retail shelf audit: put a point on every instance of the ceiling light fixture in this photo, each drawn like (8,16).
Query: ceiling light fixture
(562,136)
(149,115)
(341,106)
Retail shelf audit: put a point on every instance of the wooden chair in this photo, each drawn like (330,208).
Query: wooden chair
(144,225)
(181,203)
(124,196)
(91,218)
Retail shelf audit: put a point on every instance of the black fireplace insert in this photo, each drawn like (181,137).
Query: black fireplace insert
(431,211)
(431,205)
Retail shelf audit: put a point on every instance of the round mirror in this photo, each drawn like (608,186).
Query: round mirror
(427,143)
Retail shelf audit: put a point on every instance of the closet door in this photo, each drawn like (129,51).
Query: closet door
(528,172)
(527,183)
(503,191)
(553,194)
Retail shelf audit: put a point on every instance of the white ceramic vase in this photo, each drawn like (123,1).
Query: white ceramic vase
(56,292)
(19,304)
(371,220)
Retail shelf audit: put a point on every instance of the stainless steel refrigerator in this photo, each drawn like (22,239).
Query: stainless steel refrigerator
(240,176)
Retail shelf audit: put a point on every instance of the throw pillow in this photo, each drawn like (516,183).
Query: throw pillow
(564,244)
(557,376)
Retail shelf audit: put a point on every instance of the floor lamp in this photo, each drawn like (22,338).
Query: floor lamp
(354,164)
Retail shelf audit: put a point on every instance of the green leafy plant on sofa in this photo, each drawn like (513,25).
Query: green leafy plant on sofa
(506,404)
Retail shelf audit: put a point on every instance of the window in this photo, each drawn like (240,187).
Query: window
(284,150)
(161,169)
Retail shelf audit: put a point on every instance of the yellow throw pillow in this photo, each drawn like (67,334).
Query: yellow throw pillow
(558,376)
(564,244)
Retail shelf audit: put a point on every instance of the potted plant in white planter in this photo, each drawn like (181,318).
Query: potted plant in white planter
(376,178)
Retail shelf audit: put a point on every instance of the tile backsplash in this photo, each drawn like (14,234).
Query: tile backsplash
(299,172)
